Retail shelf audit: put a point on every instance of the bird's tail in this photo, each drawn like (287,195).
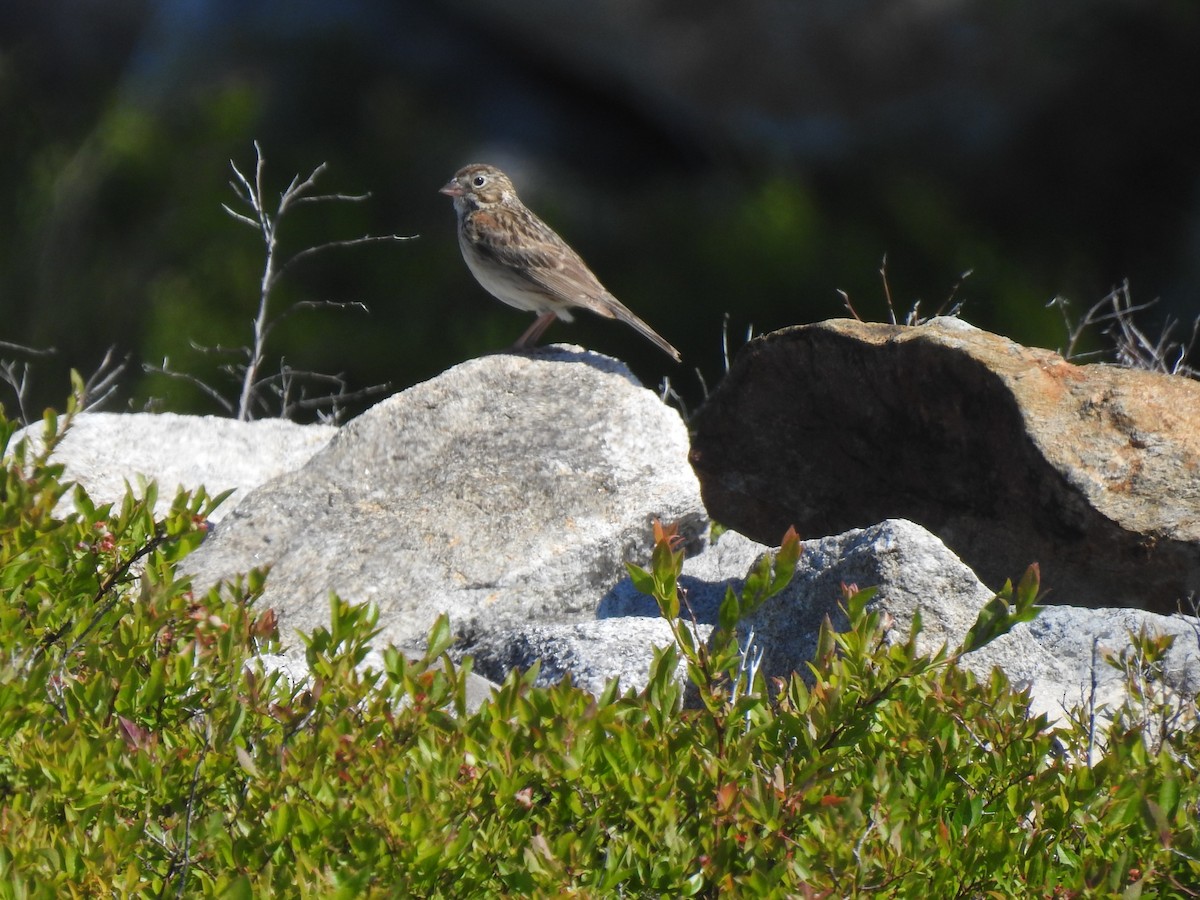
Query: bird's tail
(620,311)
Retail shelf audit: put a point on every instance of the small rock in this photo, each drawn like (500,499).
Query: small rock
(592,653)
(103,451)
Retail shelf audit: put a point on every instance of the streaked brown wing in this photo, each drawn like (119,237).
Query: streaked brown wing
(530,249)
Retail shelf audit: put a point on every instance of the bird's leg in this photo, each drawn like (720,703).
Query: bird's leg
(534,331)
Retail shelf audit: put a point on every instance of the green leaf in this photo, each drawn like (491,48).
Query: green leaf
(439,639)
(246,761)
(856,603)
(786,561)
(1156,820)
(642,580)
(731,610)
(1006,609)
(239,889)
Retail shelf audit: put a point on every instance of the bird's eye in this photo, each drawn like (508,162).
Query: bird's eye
(478,181)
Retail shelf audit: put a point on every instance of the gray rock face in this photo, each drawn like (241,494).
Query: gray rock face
(1058,657)
(104,450)
(1063,653)
(1010,455)
(591,652)
(509,490)
(621,643)
(703,582)
(911,569)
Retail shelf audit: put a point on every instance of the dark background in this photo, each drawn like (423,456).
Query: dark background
(706,158)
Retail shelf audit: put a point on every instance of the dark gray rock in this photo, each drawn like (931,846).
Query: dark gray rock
(510,490)
(1009,454)
(1062,656)
(911,569)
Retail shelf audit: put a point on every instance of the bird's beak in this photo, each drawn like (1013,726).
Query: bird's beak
(452,189)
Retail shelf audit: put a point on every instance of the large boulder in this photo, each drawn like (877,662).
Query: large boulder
(1010,455)
(509,490)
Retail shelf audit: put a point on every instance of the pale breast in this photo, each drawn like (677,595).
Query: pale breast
(508,286)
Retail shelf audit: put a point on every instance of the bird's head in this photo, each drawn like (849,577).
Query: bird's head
(479,186)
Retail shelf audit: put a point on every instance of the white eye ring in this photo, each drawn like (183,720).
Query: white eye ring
(478,181)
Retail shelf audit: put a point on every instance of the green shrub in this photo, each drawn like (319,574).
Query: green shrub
(143,752)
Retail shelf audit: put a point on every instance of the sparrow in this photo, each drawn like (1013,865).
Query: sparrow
(521,261)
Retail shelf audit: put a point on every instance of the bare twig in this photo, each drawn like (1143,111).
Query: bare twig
(887,290)
(329,245)
(97,389)
(849,306)
(950,307)
(671,397)
(725,354)
(267,224)
(102,383)
(18,374)
(1132,348)
(8,347)
(205,387)
(290,386)
(183,861)
(313,304)
(1091,702)
(323,198)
